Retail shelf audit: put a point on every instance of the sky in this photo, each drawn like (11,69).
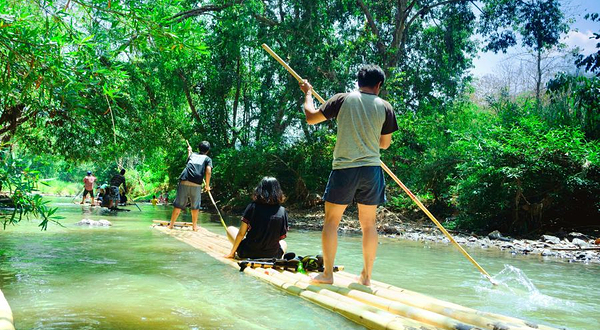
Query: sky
(581,31)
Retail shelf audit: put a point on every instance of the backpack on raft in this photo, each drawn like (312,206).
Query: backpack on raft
(289,262)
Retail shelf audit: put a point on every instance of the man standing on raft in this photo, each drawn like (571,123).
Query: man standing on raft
(115,182)
(197,169)
(365,124)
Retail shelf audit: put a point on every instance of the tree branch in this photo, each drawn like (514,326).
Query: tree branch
(372,25)
(203,10)
(425,9)
(265,20)
(188,96)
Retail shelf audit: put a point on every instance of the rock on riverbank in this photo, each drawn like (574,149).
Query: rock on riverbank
(574,247)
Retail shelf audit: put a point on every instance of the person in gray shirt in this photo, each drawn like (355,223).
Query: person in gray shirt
(365,124)
(189,189)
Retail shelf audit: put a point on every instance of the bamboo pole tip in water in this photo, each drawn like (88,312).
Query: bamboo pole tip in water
(494,282)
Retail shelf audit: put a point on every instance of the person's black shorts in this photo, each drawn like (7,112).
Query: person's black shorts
(244,251)
(91,192)
(365,185)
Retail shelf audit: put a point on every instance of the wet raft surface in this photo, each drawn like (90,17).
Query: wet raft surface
(381,306)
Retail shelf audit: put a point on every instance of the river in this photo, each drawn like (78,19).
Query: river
(129,276)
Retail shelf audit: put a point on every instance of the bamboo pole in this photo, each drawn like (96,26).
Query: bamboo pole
(394,307)
(387,170)
(6,316)
(436,222)
(462,313)
(216,207)
(364,305)
(359,312)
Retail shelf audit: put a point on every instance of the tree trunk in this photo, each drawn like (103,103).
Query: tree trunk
(236,101)
(538,82)
(188,96)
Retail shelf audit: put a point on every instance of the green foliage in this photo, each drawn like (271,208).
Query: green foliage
(501,169)
(591,62)
(100,86)
(60,188)
(525,176)
(539,23)
(422,158)
(301,168)
(575,102)
(18,181)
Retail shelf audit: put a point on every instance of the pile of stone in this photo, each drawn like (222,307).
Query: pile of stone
(575,247)
(90,222)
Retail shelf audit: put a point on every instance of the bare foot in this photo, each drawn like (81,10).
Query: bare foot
(169,227)
(195,229)
(364,280)
(322,279)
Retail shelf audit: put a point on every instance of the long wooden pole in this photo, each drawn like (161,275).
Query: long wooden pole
(216,207)
(391,174)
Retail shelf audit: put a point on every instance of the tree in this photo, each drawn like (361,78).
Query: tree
(591,62)
(539,23)
(576,102)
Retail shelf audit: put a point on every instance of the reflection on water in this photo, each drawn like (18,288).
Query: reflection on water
(130,277)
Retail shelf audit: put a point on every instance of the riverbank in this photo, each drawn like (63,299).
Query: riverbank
(572,246)
(568,246)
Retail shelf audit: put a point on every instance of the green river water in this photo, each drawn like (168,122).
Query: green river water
(129,276)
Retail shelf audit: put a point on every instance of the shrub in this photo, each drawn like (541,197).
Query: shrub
(525,177)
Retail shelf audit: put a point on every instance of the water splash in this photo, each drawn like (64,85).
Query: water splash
(515,279)
(515,287)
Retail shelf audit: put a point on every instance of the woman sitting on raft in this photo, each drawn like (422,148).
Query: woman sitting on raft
(265,221)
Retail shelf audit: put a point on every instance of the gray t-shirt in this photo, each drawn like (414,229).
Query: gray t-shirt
(362,118)
(195,168)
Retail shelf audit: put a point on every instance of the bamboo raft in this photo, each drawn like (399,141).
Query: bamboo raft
(380,306)
(6,317)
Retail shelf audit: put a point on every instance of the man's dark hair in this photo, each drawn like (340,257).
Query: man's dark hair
(204,147)
(268,191)
(123,172)
(369,75)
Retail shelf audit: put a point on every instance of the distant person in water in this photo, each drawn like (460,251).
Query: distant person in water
(154,201)
(198,169)
(102,198)
(115,182)
(163,198)
(88,187)
(264,224)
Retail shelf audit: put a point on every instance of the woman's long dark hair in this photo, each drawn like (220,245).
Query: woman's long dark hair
(268,191)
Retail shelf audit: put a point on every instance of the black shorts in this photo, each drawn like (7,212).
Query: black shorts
(244,251)
(365,185)
(91,192)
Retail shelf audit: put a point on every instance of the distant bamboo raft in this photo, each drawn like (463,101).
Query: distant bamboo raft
(6,317)
(381,306)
